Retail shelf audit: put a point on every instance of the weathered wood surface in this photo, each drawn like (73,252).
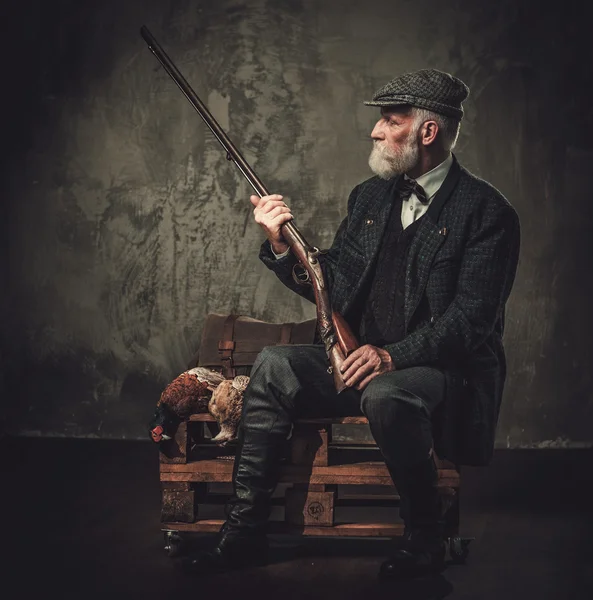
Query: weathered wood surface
(309,508)
(202,417)
(366,469)
(370,473)
(301,478)
(338,530)
(178,506)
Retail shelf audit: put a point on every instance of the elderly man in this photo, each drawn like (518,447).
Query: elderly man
(421,268)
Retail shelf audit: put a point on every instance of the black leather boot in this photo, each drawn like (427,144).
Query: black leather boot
(421,551)
(242,540)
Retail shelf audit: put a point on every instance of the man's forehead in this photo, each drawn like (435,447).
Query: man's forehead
(402,110)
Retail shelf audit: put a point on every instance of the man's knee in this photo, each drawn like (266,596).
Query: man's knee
(377,394)
(386,403)
(400,426)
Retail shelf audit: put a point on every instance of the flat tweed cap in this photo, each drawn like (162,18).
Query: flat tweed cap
(429,88)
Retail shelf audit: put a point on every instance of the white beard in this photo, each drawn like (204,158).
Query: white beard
(387,163)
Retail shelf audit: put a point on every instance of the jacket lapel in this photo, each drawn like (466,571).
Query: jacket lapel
(372,214)
(427,241)
(376,209)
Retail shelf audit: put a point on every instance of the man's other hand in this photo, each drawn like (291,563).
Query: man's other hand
(364,364)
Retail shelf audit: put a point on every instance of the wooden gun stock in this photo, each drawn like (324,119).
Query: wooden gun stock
(346,338)
(346,343)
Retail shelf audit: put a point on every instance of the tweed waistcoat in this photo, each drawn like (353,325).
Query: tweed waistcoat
(383,313)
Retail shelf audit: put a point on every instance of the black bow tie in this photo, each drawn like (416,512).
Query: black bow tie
(406,187)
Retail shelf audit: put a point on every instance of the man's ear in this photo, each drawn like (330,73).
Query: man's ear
(430,130)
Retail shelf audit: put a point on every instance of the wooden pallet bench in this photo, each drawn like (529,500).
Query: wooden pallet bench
(321,477)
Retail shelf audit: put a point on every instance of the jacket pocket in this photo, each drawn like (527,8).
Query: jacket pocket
(352,259)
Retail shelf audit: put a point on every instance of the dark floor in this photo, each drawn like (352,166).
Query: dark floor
(82,521)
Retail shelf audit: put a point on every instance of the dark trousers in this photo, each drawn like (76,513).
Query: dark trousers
(289,382)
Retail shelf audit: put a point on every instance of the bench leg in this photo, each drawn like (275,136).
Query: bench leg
(181,500)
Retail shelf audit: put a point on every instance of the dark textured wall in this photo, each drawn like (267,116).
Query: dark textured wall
(125,225)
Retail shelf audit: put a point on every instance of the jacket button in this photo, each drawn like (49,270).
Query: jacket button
(369,221)
(432,319)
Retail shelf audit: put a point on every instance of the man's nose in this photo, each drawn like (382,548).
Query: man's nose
(378,133)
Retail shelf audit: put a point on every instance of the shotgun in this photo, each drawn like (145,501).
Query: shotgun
(336,335)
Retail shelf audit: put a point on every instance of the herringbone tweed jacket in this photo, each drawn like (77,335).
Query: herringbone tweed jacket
(461,267)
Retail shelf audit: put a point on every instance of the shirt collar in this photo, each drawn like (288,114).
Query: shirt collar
(433,179)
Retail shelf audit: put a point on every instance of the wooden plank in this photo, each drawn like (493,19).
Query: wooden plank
(338,530)
(332,479)
(198,477)
(353,530)
(200,466)
(178,506)
(361,469)
(203,418)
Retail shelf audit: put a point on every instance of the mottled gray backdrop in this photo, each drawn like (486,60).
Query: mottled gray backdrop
(124,225)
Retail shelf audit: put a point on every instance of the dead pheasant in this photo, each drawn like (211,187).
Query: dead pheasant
(226,405)
(187,394)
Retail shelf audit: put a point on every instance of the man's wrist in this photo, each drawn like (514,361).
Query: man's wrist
(279,252)
(386,358)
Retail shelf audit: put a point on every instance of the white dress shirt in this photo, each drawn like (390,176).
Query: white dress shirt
(412,208)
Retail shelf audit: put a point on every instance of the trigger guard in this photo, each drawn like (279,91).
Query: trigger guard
(302,278)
